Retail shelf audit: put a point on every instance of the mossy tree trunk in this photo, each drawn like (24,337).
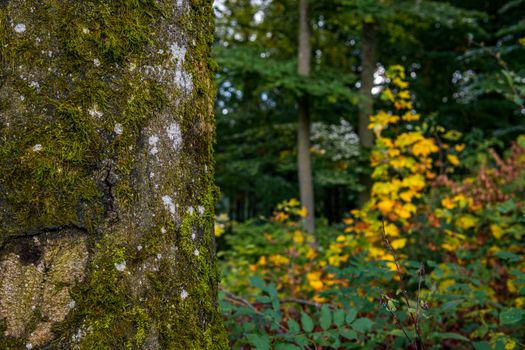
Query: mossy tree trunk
(106,189)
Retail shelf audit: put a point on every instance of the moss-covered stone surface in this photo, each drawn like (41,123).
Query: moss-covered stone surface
(106,188)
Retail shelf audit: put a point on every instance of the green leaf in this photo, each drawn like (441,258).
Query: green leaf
(510,316)
(350,316)
(258,282)
(363,324)
(293,326)
(326,317)
(260,341)
(511,257)
(286,346)
(348,333)
(449,335)
(481,345)
(307,322)
(521,140)
(506,207)
(451,305)
(339,317)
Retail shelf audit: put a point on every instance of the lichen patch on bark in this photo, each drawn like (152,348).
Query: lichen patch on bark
(36,276)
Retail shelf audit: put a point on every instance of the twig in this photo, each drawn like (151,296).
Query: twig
(245,302)
(415,319)
(308,302)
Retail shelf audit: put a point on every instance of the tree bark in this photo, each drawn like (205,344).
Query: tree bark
(366,103)
(106,191)
(303,130)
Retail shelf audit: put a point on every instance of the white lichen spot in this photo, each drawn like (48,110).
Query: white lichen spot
(196,252)
(34,85)
(132,67)
(139,248)
(200,209)
(190,210)
(118,129)
(168,203)
(20,28)
(29,346)
(183,294)
(94,112)
(71,304)
(159,256)
(37,147)
(22,97)
(85,30)
(182,78)
(193,236)
(96,62)
(120,266)
(178,53)
(152,141)
(163,229)
(174,134)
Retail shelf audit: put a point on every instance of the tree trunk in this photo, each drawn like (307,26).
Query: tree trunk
(106,190)
(366,103)
(303,131)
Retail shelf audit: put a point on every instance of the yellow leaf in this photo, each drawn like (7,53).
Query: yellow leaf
(302,212)
(298,237)
(448,203)
(387,93)
(448,247)
(400,83)
(511,286)
(408,138)
(314,279)
(392,230)
(496,231)
(453,159)
(348,221)
(293,202)
(407,196)
(466,221)
(411,117)
(414,182)
(386,205)
(398,243)
(404,95)
(424,147)
(460,147)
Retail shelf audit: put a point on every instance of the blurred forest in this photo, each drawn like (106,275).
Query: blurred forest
(412,116)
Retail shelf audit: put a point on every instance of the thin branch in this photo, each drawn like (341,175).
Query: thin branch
(415,319)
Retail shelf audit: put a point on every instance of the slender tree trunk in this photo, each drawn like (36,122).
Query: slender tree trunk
(303,131)
(366,103)
(106,190)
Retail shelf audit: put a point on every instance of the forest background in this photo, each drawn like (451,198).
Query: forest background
(414,114)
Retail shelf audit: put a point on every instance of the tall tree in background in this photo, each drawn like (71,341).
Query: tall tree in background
(303,127)
(107,192)
(366,102)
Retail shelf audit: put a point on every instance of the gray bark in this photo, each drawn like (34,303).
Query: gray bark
(303,130)
(366,103)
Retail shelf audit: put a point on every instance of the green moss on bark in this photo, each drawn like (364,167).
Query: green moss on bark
(76,152)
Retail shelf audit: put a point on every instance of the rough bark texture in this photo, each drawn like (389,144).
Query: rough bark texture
(366,103)
(303,130)
(106,190)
